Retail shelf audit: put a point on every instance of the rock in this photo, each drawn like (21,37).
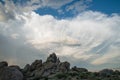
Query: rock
(75,78)
(10,73)
(48,68)
(52,58)
(36,64)
(38,73)
(64,66)
(15,66)
(53,69)
(106,72)
(79,69)
(26,68)
(33,71)
(3,64)
(116,72)
(49,65)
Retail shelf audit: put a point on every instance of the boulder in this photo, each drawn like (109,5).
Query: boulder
(36,64)
(64,66)
(10,73)
(3,64)
(26,68)
(47,69)
(15,66)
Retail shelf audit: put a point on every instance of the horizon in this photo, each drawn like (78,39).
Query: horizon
(85,33)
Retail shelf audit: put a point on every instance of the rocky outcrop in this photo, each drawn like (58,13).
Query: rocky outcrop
(64,67)
(106,72)
(53,69)
(52,58)
(36,65)
(10,72)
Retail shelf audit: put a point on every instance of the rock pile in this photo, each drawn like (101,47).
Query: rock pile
(53,69)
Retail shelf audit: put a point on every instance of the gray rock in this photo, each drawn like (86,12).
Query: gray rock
(3,64)
(15,66)
(106,72)
(10,73)
(47,69)
(79,69)
(52,58)
(64,66)
(38,74)
(26,68)
(36,64)
(53,69)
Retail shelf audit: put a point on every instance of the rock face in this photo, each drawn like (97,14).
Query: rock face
(53,69)
(36,64)
(64,67)
(52,58)
(10,72)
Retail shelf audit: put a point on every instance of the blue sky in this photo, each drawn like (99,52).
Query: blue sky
(83,32)
(104,6)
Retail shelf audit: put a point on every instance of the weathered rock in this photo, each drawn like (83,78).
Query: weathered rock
(53,69)
(10,73)
(15,66)
(49,65)
(79,69)
(116,72)
(3,64)
(26,68)
(106,72)
(52,58)
(64,66)
(47,69)
(38,73)
(36,64)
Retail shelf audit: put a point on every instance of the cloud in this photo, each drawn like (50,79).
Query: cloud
(89,29)
(78,6)
(55,4)
(90,37)
(11,9)
(112,56)
(6,11)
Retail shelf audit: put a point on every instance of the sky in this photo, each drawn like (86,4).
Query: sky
(84,32)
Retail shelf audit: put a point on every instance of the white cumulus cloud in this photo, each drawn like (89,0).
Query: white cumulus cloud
(91,37)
